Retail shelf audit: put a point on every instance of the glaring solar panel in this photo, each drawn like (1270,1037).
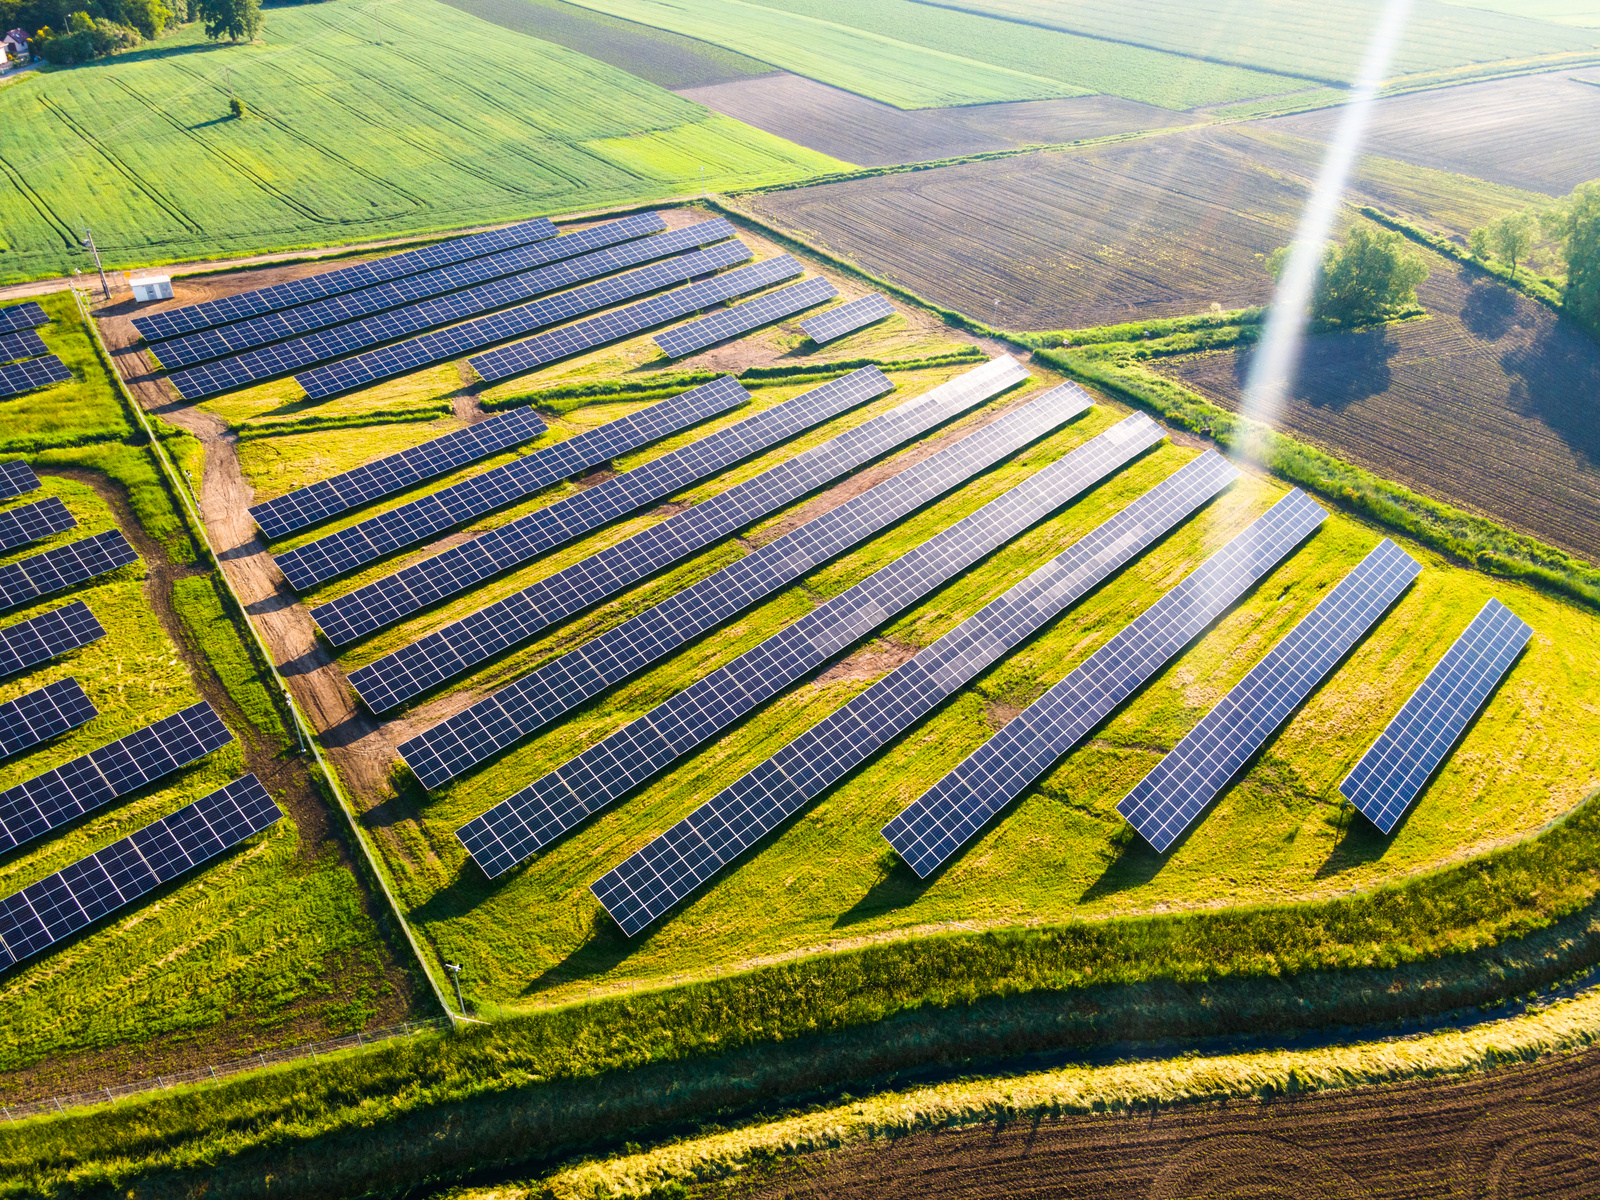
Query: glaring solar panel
(49,801)
(303,291)
(16,378)
(15,478)
(932,828)
(624,322)
(63,567)
(609,769)
(742,318)
(329,497)
(500,719)
(39,639)
(75,897)
(340,340)
(25,344)
(350,306)
(651,881)
(41,715)
(30,522)
(1393,772)
(847,318)
(1165,802)
(22,316)
(410,523)
(465,566)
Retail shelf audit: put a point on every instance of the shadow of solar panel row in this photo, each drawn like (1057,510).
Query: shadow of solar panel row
(41,715)
(847,318)
(504,716)
(39,639)
(1394,770)
(636,318)
(16,378)
(18,317)
(75,897)
(742,318)
(177,321)
(30,522)
(603,773)
(341,340)
(946,817)
(410,523)
(372,481)
(49,801)
(463,567)
(26,344)
(350,306)
(16,478)
(1167,800)
(64,567)
(670,868)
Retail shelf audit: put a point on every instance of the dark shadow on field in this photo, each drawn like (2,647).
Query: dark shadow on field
(1134,862)
(897,887)
(1554,377)
(1490,311)
(605,949)
(1335,370)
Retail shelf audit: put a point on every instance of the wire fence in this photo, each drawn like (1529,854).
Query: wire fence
(315,1051)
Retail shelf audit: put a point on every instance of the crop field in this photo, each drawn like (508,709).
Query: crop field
(346,139)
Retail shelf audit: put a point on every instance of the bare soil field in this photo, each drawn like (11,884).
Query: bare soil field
(1535,132)
(1486,404)
(1524,1132)
(858,130)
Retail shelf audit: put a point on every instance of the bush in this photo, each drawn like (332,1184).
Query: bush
(86,38)
(236,106)
(1370,277)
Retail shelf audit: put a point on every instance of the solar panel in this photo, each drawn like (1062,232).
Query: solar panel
(75,897)
(933,827)
(1395,769)
(49,801)
(22,316)
(519,262)
(177,321)
(742,318)
(39,639)
(496,721)
(25,344)
(41,715)
(610,768)
(465,566)
(15,478)
(16,378)
(1165,802)
(668,869)
(329,497)
(625,322)
(63,567)
(410,523)
(339,341)
(30,522)
(847,318)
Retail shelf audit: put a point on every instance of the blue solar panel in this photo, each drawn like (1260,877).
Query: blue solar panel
(1166,801)
(16,378)
(41,715)
(847,318)
(1393,772)
(26,344)
(16,477)
(30,522)
(63,567)
(39,639)
(933,827)
(742,318)
(22,316)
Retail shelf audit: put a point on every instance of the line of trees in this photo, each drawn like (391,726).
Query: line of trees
(1560,240)
(75,31)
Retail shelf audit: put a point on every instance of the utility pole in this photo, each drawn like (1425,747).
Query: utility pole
(455,973)
(88,242)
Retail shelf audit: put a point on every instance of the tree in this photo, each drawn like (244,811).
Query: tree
(237,20)
(1577,224)
(1511,238)
(149,17)
(1366,279)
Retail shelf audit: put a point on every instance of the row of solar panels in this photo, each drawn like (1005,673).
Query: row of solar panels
(25,361)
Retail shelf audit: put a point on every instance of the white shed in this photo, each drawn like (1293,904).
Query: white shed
(151,287)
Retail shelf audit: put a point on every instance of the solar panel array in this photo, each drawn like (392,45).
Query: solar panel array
(72,899)
(496,721)
(340,340)
(22,316)
(16,378)
(609,769)
(742,318)
(464,566)
(25,344)
(15,478)
(30,522)
(1167,800)
(63,567)
(668,869)
(847,318)
(49,801)
(410,523)
(177,321)
(329,497)
(350,306)
(1394,770)
(636,318)
(41,715)
(937,824)
(39,639)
